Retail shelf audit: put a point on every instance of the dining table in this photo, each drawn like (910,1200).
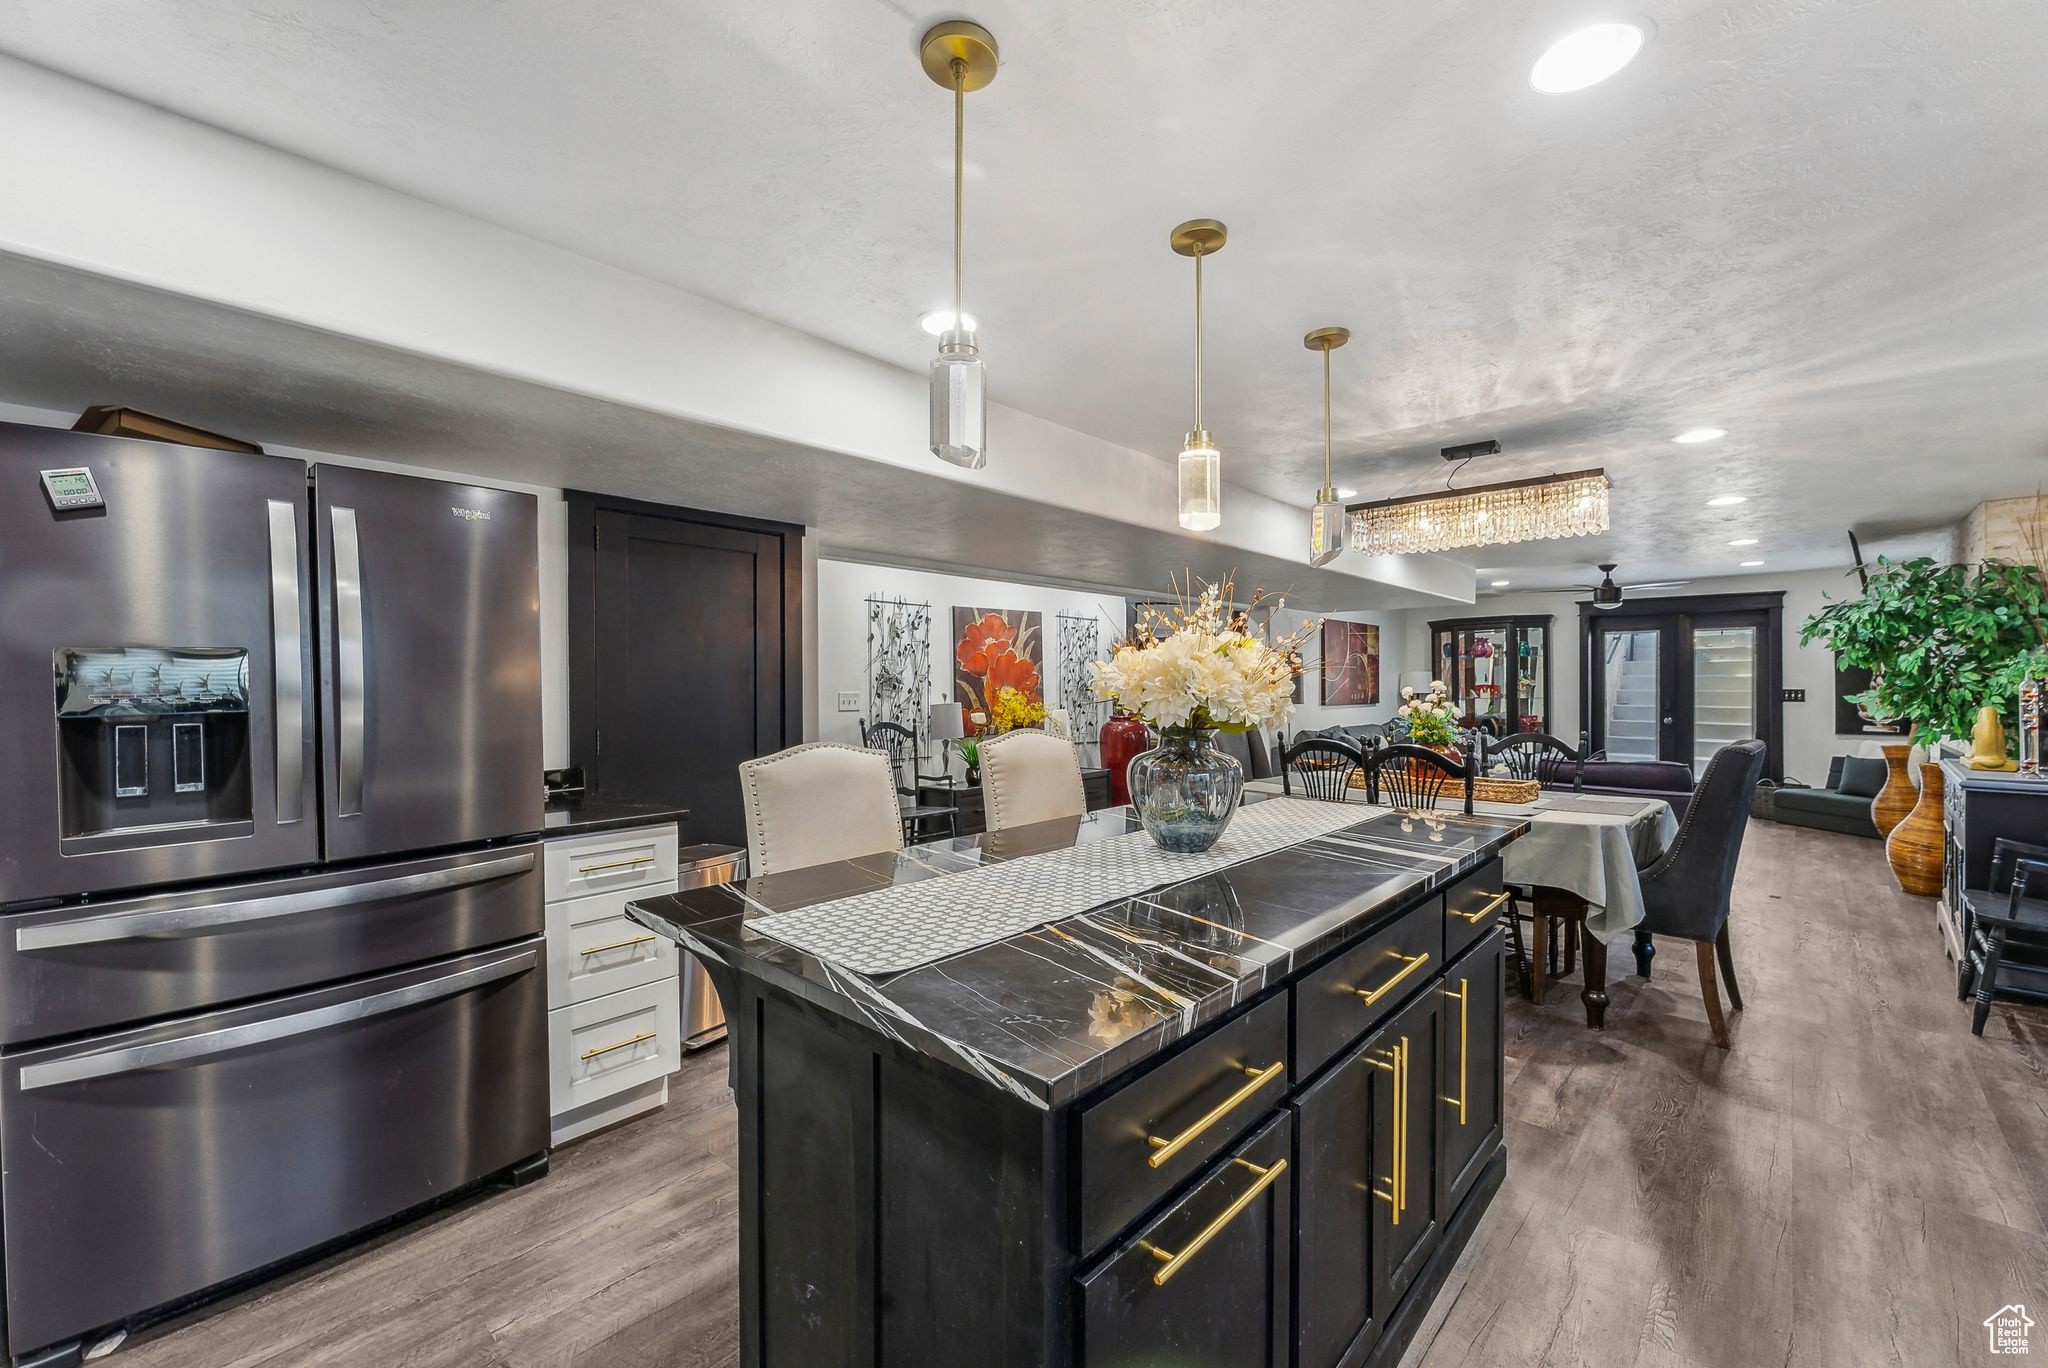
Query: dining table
(1580,859)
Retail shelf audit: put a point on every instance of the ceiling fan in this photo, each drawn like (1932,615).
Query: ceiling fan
(1608,594)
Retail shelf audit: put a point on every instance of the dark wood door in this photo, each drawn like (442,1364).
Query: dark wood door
(1471,1051)
(1678,678)
(1197,1288)
(1404,1059)
(689,661)
(1336,1125)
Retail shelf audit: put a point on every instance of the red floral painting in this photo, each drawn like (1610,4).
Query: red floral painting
(993,649)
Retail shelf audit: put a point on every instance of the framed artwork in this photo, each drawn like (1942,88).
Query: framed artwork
(1849,719)
(994,647)
(1351,663)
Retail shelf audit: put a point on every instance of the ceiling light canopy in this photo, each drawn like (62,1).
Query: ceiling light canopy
(962,57)
(1498,584)
(1743,541)
(1326,519)
(1750,564)
(1694,436)
(1587,57)
(1569,505)
(939,322)
(1727,500)
(1201,465)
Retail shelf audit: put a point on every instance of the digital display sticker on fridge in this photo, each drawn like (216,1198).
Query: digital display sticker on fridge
(270,887)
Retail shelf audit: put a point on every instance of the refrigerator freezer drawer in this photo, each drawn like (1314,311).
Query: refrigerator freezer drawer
(93,967)
(594,948)
(150,1164)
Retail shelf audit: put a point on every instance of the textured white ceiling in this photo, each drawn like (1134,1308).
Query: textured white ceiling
(1817,224)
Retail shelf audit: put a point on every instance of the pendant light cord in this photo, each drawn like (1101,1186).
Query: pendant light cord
(1327,487)
(1198,338)
(959,177)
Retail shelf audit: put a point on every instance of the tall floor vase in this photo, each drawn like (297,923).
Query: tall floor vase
(1915,846)
(1121,740)
(1898,795)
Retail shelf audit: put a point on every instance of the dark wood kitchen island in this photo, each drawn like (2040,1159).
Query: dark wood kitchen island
(1247,1118)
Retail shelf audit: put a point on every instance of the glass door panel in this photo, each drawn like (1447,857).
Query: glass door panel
(1630,662)
(1724,690)
(1533,708)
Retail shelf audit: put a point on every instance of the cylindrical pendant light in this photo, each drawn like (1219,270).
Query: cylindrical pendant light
(961,57)
(1326,519)
(1201,465)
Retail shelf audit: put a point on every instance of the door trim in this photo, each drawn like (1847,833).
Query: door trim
(584,508)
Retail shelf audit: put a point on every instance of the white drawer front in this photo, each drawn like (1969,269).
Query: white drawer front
(610,861)
(599,1047)
(594,948)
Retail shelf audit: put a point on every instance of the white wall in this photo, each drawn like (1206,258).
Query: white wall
(1810,739)
(842,656)
(553,556)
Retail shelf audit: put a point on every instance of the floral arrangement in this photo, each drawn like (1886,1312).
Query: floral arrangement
(1432,721)
(1204,666)
(1009,709)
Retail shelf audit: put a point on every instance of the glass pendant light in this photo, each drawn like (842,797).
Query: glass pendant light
(1201,465)
(1326,519)
(962,57)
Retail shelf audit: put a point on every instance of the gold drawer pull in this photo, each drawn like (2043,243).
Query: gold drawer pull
(640,1039)
(1477,917)
(618,945)
(615,864)
(1163,1150)
(1172,1263)
(1410,963)
(1464,998)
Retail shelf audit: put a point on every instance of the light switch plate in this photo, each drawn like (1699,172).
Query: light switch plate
(849,700)
(1795,695)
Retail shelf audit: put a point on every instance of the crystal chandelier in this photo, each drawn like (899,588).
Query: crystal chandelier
(1201,465)
(962,57)
(1570,505)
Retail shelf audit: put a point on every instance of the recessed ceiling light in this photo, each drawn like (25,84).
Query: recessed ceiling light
(1692,435)
(1743,541)
(1587,57)
(940,321)
(1727,500)
(1347,493)
(1498,584)
(1747,564)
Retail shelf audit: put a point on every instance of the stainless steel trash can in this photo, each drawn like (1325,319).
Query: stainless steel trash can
(701,866)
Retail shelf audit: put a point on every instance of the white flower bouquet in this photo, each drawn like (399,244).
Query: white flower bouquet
(1203,667)
(1431,719)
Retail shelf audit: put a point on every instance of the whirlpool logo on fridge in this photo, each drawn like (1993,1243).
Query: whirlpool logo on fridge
(470,514)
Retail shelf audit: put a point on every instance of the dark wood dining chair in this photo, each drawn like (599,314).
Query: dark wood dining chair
(1320,768)
(1550,761)
(1534,755)
(1411,776)
(2005,930)
(1686,892)
(921,821)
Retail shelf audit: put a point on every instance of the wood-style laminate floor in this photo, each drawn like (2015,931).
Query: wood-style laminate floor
(1857,1182)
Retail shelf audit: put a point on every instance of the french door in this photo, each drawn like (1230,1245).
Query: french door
(1665,684)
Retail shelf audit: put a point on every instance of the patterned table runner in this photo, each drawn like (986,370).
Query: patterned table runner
(893,929)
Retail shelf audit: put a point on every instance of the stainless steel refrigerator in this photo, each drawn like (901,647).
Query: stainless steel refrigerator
(270,889)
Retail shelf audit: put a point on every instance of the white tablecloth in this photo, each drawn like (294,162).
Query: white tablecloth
(1589,844)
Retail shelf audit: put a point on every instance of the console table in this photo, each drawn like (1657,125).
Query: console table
(967,798)
(1978,807)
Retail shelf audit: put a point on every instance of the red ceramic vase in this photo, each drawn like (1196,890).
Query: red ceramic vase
(1122,739)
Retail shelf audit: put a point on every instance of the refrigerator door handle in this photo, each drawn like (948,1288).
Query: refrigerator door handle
(349,683)
(287,640)
(184,1049)
(172,921)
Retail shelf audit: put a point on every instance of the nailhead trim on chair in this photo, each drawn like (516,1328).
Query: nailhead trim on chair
(749,769)
(992,793)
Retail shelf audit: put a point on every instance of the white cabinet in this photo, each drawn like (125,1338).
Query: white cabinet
(614,1020)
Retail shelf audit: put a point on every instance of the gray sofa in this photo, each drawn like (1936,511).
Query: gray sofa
(1843,805)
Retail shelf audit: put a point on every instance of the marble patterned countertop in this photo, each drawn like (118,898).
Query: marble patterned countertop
(1050,1014)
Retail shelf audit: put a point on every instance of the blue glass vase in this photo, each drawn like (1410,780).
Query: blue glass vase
(1185,790)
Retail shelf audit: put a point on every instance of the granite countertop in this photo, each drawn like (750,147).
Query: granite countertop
(584,813)
(1052,1013)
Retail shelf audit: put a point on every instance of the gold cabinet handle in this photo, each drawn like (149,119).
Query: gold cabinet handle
(642,1038)
(1464,997)
(615,864)
(618,945)
(1410,963)
(1477,917)
(1163,1150)
(1171,1263)
(1396,1195)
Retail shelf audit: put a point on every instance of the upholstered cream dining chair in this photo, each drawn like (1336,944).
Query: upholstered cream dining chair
(1029,776)
(819,802)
